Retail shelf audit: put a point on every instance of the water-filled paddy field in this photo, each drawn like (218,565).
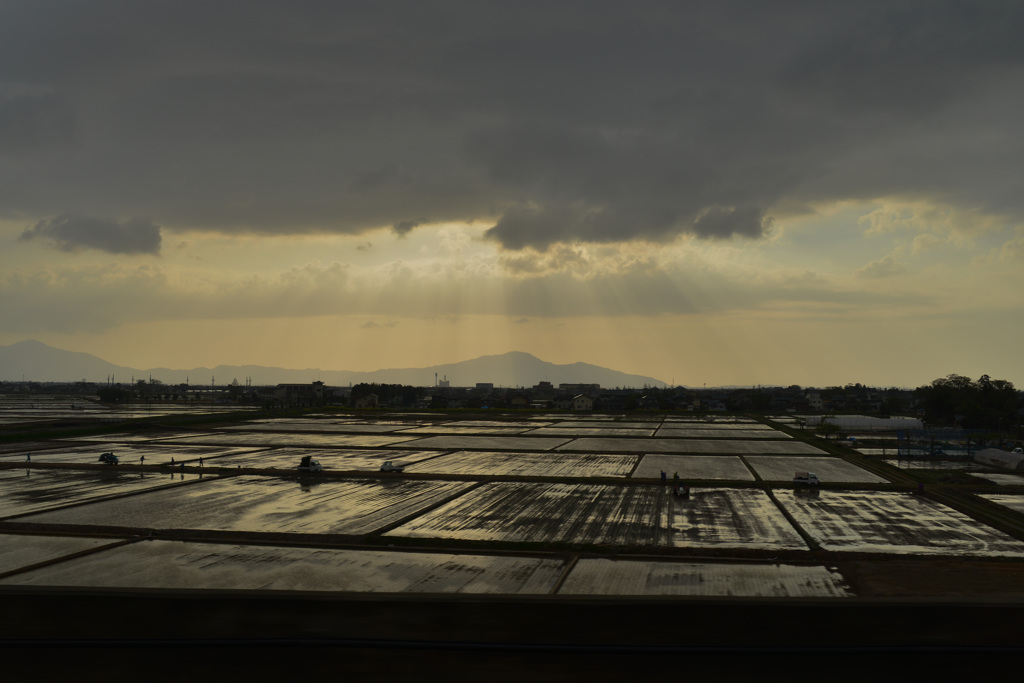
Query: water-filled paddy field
(23,550)
(726,467)
(533,486)
(889,522)
(178,564)
(608,515)
(635,577)
(570,465)
(295,439)
(1010,500)
(216,566)
(266,504)
(334,459)
(783,467)
(699,446)
(31,490)
(155,453)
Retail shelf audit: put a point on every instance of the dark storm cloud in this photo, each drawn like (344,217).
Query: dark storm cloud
(73,232)
(403,228)
(720,222)
(558,122)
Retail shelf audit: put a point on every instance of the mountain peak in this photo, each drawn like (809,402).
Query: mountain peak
(36,361)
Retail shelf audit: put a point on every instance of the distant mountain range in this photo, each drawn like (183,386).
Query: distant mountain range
(35,361)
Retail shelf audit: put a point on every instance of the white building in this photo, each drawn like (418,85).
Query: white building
(581,402)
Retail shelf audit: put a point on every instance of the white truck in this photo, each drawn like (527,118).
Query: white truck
(806,478)
(308,464)
(392,466)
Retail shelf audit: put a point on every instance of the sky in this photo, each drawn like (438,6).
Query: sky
(719,193)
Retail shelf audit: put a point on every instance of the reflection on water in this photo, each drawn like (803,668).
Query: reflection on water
(307,484)
(42,489)
(933,464)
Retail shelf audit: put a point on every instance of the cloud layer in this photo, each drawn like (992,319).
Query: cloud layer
(596,122)
(74,232)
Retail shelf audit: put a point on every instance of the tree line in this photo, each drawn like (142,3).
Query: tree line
(956,400)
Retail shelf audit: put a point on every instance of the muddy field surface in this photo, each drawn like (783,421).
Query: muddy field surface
(265,504)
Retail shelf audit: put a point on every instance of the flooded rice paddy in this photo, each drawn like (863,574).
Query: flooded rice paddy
(889,522)
(1010,500)
(321,426)
(726,467)
(460,487)
(488,443)
(129,454)
(333,459)
(213,566)
(576,466)
(449,429)
(138,438)
(15,410)
(178,564)
(295,439)
(720,432)
(782,468)
(608,515)
(933,464)
(266,504)
(18,551)
(635,577)
(698,446)
(1000,478)
(562,430)
(31,490)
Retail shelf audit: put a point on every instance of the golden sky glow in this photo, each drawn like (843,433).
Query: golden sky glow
(780,311)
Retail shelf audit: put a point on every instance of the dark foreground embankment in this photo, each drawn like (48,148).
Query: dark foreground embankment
(93,634)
